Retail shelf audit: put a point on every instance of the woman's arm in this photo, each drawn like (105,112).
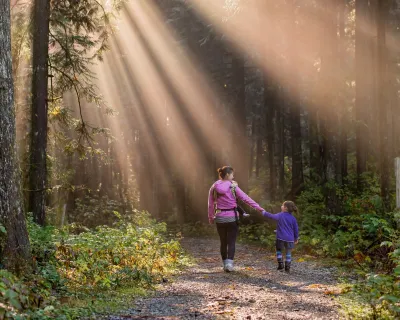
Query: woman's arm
(246,199)
(211,205)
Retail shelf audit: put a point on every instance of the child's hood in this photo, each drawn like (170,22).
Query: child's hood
(222,187)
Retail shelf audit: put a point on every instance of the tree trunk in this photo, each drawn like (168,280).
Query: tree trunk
(295,110)
(330,123)
(252,142)
(363,90)
(268,15)
(344,114)
(330,118)
(37,169)
(315,145)
(16,251)
(297,156)
(269,103)
(280,145)
(382,89)
(240,143)
(180,200)
(259,144)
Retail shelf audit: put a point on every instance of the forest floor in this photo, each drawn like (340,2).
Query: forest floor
(256,290)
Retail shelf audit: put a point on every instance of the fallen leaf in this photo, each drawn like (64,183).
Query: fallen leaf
(332,292)
(315,285)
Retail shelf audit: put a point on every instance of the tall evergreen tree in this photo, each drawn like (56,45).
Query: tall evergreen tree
(16,251)
(383,87)
(39,116)
(363,62)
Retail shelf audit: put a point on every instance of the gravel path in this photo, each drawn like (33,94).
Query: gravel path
(255,291)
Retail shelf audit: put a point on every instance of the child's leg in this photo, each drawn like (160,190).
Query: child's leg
(288,255)
(279,250)
(279,256)
(288,259)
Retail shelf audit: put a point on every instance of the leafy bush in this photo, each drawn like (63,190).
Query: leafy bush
(358,227)
(196,229)
(263,234)
(362,233)
(133,251)
(94,210)
(381,291)
(30,298)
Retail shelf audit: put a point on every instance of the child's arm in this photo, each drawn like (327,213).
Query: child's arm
(271,215)
(296,231)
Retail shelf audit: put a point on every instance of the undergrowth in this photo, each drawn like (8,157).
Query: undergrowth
(81,273)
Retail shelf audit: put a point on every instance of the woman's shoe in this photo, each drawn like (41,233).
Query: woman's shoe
(280,266)
(224,261)
(229,265)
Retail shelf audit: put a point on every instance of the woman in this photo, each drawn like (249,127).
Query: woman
(222,209)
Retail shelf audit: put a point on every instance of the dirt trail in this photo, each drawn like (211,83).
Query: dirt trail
(255,291)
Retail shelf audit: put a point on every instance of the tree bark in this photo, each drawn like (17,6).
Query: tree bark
(295,111)
(269,104)
(259,144)
(240,143)
(363,90)
(344,125)
(38,169)
(297,159)
(16,252)
(315,145)
(330,118)
(382,90)
(280,120)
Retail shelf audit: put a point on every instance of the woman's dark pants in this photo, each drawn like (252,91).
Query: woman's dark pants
(227,235)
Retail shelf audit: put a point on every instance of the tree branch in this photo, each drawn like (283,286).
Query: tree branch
(84,125)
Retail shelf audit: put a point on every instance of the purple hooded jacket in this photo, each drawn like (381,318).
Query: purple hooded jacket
(226,200)
(287,228)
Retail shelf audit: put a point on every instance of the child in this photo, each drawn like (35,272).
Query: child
(287,233)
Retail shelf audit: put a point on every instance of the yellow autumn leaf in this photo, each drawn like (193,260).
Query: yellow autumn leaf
(315,285)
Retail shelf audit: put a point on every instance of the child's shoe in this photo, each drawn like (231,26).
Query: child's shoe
(287,267)
(280,266)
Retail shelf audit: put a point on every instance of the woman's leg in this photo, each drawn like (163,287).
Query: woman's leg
(223,237)
(232,233)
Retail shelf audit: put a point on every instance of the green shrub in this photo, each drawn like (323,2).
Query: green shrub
(381,291)
(135,251)
(261,233)
(362,233)
(94,210)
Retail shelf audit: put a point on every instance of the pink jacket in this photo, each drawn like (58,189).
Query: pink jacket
(226,200)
